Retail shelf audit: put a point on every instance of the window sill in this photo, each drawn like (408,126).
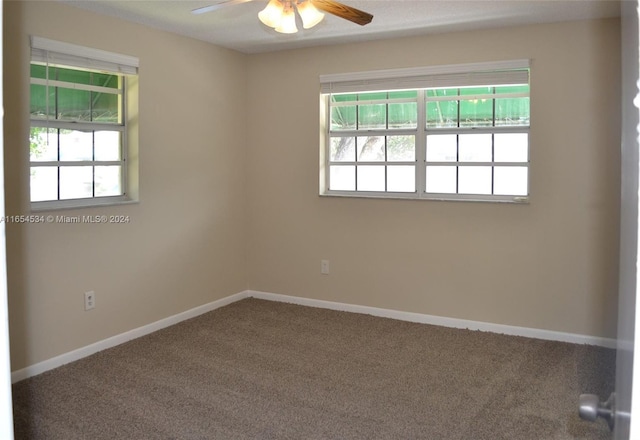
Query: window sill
(80,203)
(517,200)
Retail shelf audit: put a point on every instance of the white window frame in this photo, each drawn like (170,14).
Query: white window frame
(465,75)
(61,54)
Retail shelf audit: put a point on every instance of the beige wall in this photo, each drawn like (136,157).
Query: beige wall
(185,244)
(229,191)
(551,264)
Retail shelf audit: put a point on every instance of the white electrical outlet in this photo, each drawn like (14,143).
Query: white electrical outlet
(89,300)
(324,267)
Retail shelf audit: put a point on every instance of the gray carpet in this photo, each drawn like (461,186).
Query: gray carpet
(264,370)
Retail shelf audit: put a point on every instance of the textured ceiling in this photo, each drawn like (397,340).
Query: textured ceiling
(237,26)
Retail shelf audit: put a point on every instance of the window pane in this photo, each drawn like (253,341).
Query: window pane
(474,180)
(107,145)
(372,116)
(105,107)
(401,178)
(71,75)
(43,144)
(403,115)
(476,113)
(108,181)
(441,179)
(370,148)
(468,91)
(442,148)
(38,71)
(510,181)
(403,94)
(342,178)
(76,145)
(44,183)
(440,93)
(343,118)
(40,107)
(441,114)
(475,147)
(401,148)
(343,149)
(513,89)
(512,112)
(73,105)
(371,178)
(511,147)
(76,182)
(371,96)
(104,80)
(346,97)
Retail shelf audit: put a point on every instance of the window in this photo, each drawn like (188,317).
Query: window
(78,139)
(452,132)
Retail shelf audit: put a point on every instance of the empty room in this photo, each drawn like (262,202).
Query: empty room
(402,221)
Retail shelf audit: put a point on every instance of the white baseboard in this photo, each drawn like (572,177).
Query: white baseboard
(88,350)
(441,321)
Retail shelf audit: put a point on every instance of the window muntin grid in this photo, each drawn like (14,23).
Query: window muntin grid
(486,156)
(78,134)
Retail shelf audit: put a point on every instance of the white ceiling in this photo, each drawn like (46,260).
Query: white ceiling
(237,26)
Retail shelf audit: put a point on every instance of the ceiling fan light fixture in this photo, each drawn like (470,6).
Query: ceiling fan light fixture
(309,14)
(272,14)
(288,23)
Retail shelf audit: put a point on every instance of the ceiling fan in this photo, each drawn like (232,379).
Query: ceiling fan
(280,14)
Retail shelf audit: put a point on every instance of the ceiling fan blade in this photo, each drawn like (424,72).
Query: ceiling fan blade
(344,11)
(218,6)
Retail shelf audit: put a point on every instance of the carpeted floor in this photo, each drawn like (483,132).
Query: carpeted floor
(265,370)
